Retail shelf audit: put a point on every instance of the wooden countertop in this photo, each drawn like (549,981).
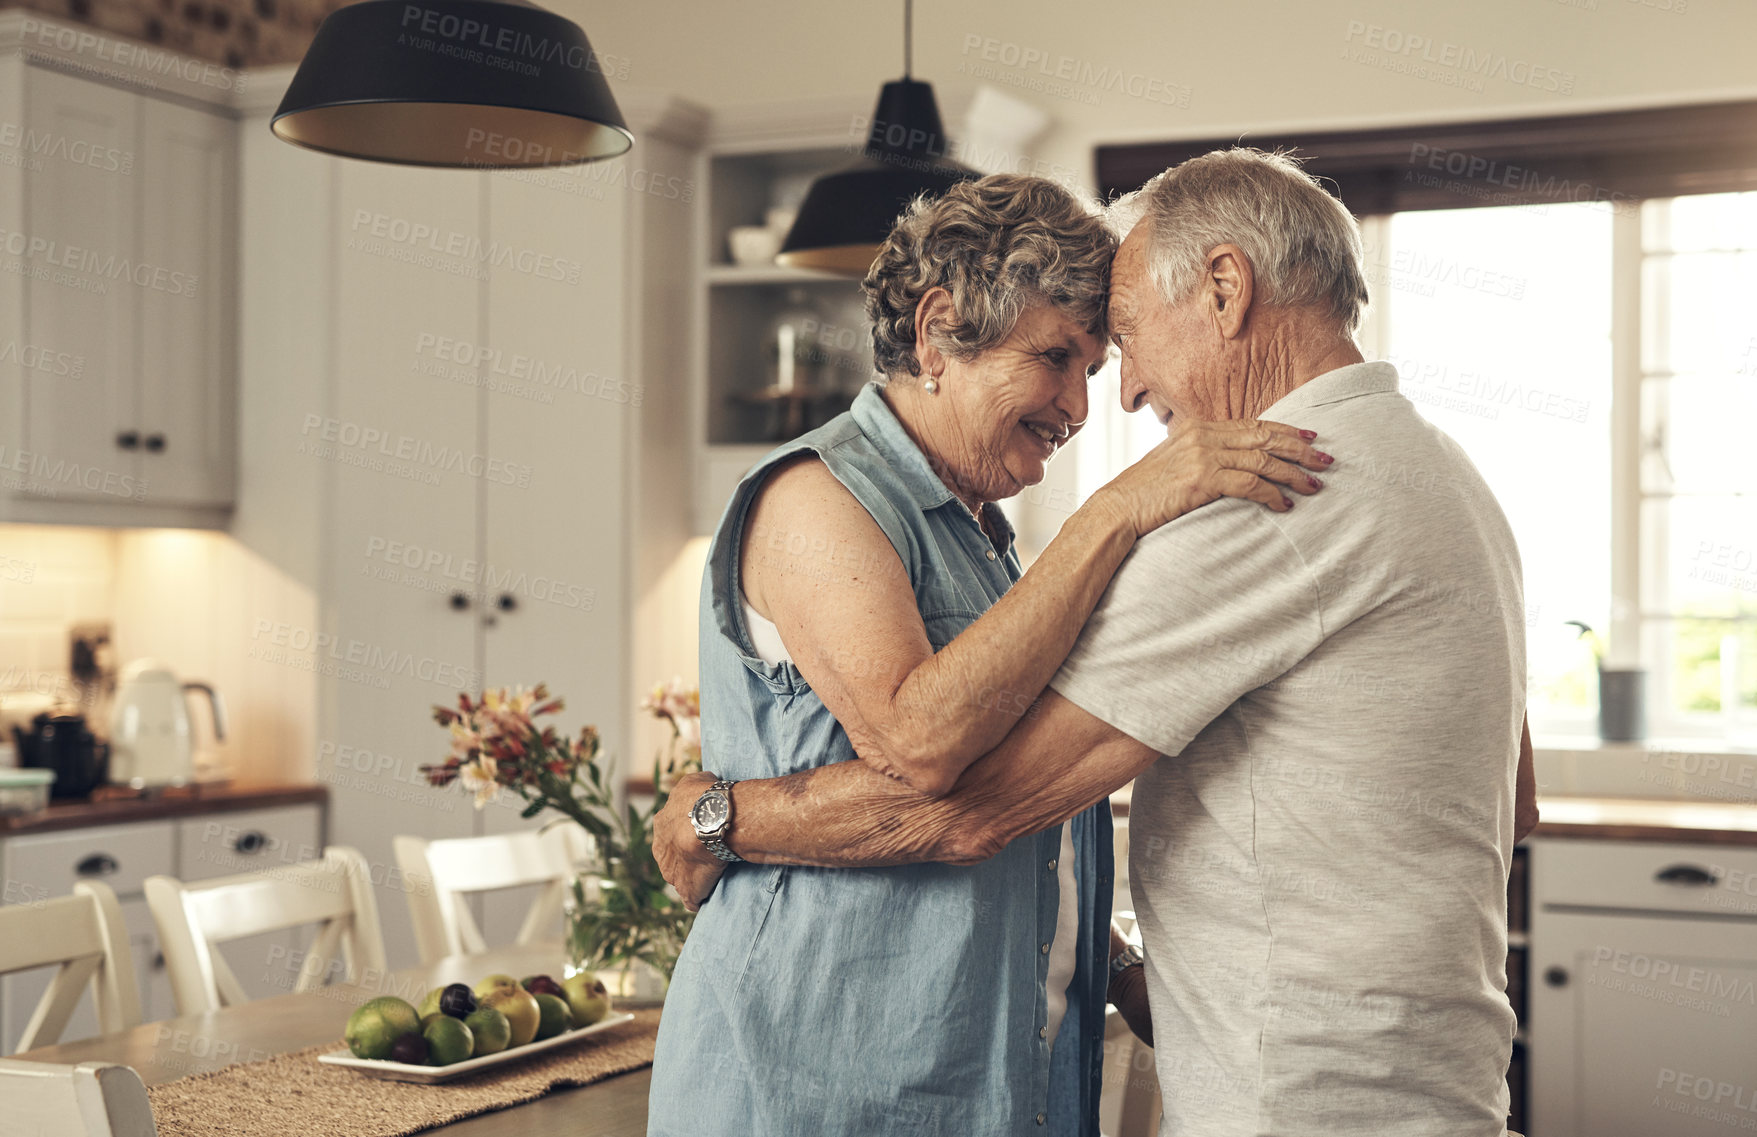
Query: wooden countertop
(121,806)
(1633,819)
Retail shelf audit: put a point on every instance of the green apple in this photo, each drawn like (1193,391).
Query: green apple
(521,1011)
(555,1015)
(376,1024)
(489,1031)
(586,997)
(430,1004)
(494,982)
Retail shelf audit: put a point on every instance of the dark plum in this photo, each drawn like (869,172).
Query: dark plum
(410,1048)
(457,1000)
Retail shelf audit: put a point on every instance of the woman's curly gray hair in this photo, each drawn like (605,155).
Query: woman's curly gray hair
(996,244)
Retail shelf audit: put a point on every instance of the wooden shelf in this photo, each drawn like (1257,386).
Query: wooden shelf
(771,274)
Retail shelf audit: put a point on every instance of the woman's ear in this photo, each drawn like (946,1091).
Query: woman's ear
(933,314)
(1230,287)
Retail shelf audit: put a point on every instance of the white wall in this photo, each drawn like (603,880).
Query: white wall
(1246,65)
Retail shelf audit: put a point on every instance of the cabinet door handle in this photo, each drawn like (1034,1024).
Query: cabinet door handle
(155,443)
(1687,876)
(506,602)
(459,600)
(251,842)
(128,439)
(98,864)
(1556,977)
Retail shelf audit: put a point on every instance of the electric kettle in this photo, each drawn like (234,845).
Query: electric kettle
(150,735)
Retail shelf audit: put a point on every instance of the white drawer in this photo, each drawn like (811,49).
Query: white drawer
(251,840)
(122,856)
(1635,876)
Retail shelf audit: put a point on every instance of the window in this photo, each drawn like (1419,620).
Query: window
(1698,518)
(1561,344)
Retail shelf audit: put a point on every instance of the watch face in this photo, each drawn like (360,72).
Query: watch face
(710,811)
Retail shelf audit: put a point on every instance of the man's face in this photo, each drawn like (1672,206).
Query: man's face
(1167,353)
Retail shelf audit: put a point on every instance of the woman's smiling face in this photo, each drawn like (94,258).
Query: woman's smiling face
(1015,404)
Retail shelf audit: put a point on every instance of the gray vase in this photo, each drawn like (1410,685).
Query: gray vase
(1622,715)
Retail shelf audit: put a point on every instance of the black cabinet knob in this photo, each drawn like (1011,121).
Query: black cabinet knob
(98,864)
(1556,976)
(155,443)
(1687,876)
(252,842)
(459,601)
(506,602)
(128,439)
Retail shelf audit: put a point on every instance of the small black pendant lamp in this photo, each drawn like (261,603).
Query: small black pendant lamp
(848,213)
(487,84)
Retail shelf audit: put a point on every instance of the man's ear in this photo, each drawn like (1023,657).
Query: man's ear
(934,311)
(1231,284)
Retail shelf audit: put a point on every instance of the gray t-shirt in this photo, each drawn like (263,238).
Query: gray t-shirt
(1320,863)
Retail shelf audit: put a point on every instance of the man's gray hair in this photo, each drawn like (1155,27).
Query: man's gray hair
(1304,246)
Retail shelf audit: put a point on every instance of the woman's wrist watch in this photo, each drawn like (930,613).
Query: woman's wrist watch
(1130,956)
(711,815)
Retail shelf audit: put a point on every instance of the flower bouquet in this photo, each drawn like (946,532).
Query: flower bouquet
(624,913)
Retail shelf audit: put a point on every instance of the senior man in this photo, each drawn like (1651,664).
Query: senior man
(1323,707)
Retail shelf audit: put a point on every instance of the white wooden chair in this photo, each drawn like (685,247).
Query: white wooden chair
(442,875)
(85,934)
(335,892)
(92,1099)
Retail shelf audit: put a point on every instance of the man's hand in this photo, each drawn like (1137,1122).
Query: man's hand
(1525,817)
(686,863)
(1129,992)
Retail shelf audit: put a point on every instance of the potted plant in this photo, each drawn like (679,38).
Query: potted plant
(622,914)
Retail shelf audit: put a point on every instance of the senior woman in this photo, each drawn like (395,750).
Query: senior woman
(863,599)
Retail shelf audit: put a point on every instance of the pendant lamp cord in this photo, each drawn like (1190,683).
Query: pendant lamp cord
(908,35)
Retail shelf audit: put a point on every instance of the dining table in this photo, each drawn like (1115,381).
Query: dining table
(193,1044)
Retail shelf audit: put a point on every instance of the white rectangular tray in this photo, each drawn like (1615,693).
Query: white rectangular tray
(434,1075)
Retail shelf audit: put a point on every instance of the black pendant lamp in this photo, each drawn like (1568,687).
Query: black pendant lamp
(848,213)
(487,84)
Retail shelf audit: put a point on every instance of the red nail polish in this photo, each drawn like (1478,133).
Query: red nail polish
(1323,457)
(1316,484)
(1308,435)
(1287,501)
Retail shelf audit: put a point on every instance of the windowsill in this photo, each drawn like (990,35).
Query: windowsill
(1675,769)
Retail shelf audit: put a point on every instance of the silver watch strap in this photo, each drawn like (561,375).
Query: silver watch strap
(1130,956)
(717,845)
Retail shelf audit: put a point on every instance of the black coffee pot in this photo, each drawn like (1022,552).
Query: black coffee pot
(66,745)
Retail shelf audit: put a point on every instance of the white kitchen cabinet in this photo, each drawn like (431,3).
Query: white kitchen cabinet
(1642,989)
(501,357)
(121,347)
(187,409)
(74,407)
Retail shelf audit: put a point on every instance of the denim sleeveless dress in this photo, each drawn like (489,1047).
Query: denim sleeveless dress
(859,1002)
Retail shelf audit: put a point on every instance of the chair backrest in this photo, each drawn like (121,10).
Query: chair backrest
(335,892)
(441,875)
(85,934)
(92,1099)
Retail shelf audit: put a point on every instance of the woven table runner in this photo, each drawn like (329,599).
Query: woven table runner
(294,1095)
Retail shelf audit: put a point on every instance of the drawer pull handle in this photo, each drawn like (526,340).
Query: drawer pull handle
(98,864)
(251,842)
(1688,876)
(1555,977)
